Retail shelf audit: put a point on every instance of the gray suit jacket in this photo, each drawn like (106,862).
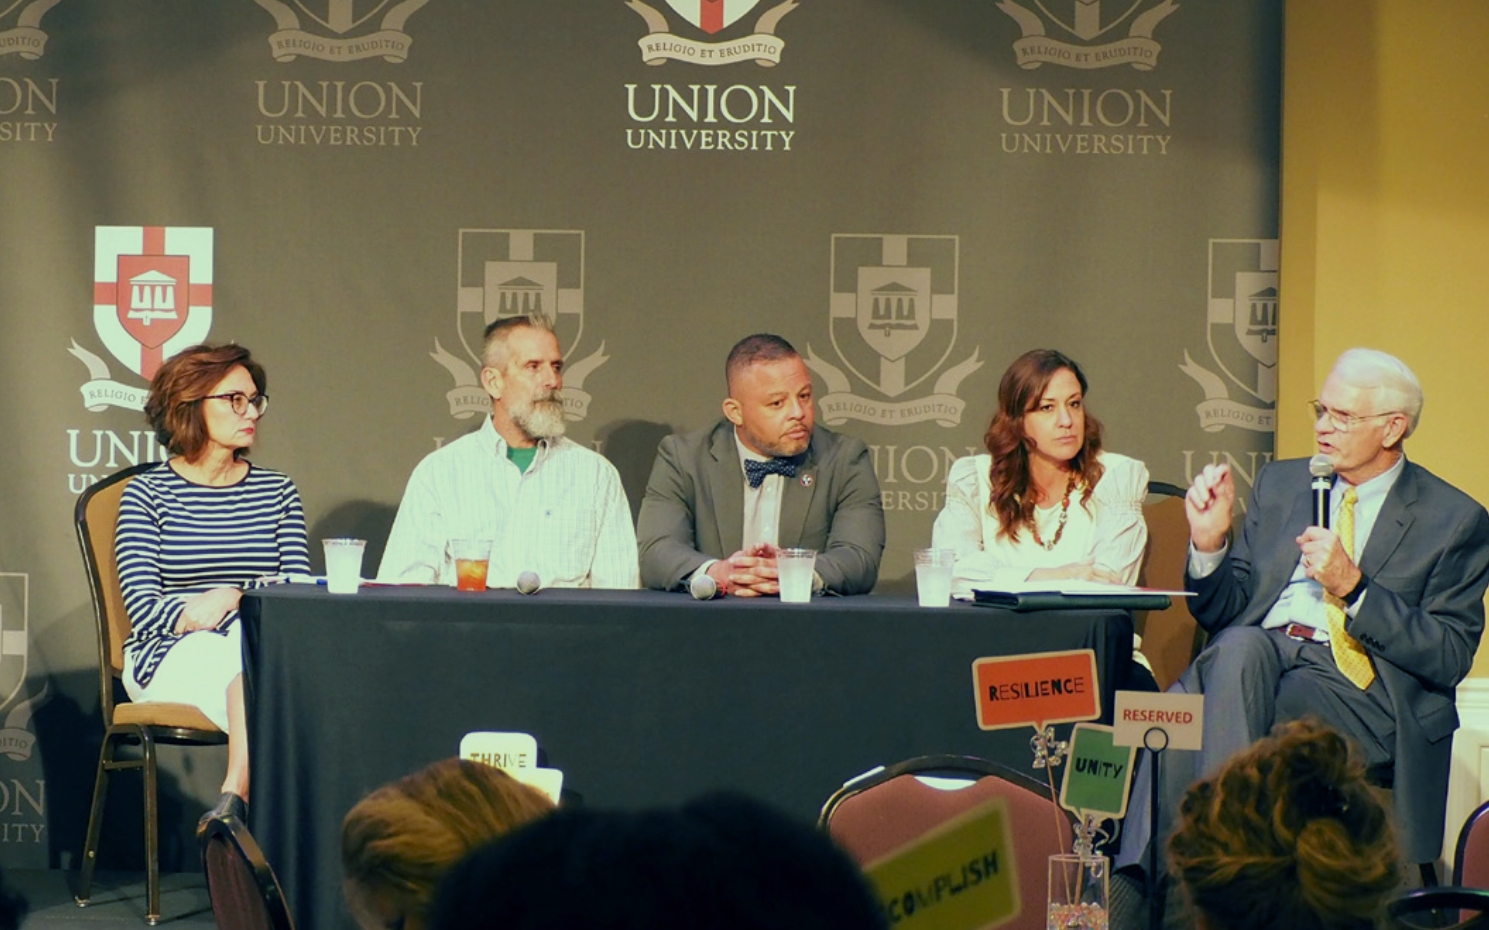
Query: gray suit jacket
(694,509)
(1427,562)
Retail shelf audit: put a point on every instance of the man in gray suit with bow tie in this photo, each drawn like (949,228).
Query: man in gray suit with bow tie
(1368,625)
(723,499)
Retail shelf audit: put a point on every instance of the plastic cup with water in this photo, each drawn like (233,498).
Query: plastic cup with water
(933,576)
(794,569)
(343,564)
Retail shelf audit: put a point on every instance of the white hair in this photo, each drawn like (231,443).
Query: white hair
(1396,386)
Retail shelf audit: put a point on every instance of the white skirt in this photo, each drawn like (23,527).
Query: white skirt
(196,671)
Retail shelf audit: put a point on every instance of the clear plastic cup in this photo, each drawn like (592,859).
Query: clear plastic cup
(343,564)
(933,576)
(472,559)
(794,568)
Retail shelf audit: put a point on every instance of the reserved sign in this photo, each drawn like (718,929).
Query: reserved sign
(1180,718)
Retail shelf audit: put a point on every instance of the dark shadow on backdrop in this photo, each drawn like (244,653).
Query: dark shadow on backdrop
(631,446)
(68,737)
(367,520)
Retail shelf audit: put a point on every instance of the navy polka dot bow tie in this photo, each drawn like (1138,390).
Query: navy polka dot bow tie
(756,471)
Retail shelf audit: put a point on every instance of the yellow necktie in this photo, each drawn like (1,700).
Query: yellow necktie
(1349,655)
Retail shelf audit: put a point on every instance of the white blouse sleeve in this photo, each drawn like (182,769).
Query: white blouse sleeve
(959,526)
(1121,533)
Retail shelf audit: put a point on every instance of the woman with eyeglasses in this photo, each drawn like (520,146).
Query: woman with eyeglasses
(194,531)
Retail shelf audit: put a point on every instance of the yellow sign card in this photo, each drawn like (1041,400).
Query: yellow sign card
(959,876)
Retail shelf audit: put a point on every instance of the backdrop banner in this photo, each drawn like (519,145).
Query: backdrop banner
(914,192)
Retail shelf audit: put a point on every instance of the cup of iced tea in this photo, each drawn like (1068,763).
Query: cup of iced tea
(472,557)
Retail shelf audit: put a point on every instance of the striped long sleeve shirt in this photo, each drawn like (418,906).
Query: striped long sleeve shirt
(176,539)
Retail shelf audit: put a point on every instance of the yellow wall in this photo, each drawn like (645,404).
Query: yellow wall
(1385,215)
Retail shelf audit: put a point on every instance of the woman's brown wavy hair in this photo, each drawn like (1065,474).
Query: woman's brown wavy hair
(1288,834)
(1022,386)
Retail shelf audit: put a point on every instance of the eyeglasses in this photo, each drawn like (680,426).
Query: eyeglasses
(241,402)
(1344,422)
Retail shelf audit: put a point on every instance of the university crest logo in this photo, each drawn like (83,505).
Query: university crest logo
(762,46)
(1241,333)
(25,38)
(341,30)
(14,608)
(16,736)
(152,297)
(1087,34)
(511,272)
(892,317)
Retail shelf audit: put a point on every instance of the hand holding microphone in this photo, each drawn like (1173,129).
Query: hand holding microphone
(1324,558)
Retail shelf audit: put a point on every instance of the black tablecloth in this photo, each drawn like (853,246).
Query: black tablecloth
(641,698)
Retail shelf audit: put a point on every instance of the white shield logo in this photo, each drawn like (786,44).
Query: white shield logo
(1088,19)
(342,16)
(512,272)
(13,642)
(712,15)
(1256,314)
(894,307)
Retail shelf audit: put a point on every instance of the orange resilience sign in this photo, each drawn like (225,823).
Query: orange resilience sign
(1033,690)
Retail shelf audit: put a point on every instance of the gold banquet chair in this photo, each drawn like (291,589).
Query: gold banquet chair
(124,722)
(1171,638)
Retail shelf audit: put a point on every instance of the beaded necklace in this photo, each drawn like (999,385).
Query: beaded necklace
(1064,515)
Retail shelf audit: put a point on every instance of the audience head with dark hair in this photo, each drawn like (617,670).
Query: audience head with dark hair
(724,862)
(400,840)
(1288,835)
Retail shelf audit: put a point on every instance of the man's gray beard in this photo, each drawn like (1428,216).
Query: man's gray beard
(543,419)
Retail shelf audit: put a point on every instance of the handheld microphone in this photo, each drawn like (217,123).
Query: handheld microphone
(528,583)
(1322,471)
(703,587)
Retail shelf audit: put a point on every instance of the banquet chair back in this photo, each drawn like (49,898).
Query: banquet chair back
(1471,858)
(124,723)
(882,810)
(1449,908)
(245,893)
(1171,638)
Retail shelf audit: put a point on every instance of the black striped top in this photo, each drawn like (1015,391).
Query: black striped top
(176,539)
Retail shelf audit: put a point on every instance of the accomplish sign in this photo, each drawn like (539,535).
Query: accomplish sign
(959,876)
(1033,690)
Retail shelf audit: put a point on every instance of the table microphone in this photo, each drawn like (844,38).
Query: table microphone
(528,583)
(1322,471)
(703,587)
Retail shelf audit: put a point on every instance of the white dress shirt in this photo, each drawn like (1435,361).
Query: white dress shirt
(762,505)
(566,518)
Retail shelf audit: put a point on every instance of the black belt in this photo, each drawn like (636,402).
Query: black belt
(1306,634)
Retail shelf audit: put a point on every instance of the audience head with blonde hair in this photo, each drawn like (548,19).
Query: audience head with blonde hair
(400,840)
(1288,834)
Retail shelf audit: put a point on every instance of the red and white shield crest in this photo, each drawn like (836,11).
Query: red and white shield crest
(712,15)
(152,292)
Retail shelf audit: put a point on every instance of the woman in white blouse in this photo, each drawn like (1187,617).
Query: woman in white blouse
(1046,502)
